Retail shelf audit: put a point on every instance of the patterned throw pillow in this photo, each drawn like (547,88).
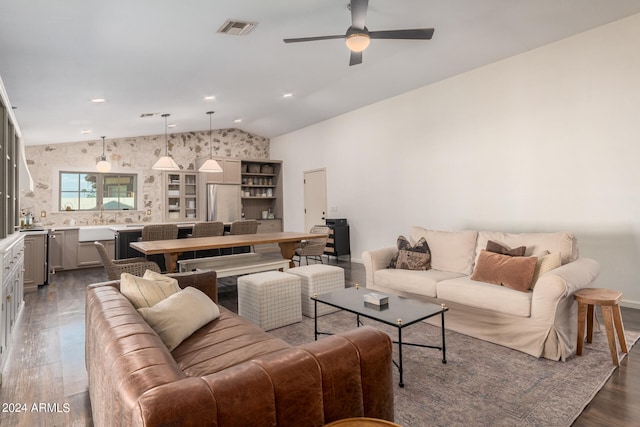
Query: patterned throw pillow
(409,257)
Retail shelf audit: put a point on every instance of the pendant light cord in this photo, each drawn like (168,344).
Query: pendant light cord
(210,113)
(166,137)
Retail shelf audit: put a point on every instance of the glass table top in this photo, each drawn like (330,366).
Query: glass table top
(407,310)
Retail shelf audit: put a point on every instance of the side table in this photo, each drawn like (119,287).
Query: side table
(608,300)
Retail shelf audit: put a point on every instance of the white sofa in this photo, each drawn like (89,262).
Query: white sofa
(541,322)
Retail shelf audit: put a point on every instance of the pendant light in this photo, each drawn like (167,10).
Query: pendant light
(166,163)
(210,165)
(103,166)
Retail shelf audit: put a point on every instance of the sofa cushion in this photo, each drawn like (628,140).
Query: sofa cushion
(450,250)
(144,292)
(504,270)
(180,315)
(227,341)
(412,281)
(563,242)
(486,296)
(505,250)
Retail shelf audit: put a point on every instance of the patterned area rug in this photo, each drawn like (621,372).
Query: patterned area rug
(482,384)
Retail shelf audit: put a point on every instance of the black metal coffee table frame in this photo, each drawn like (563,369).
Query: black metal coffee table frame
(350,300)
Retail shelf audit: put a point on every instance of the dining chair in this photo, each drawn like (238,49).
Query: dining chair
(114,268)
(207,229)
(313,248)
(245,226)
(159,232)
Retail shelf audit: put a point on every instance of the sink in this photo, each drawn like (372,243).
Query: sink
(95,232)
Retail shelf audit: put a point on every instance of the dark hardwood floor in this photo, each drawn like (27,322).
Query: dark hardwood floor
(45,381)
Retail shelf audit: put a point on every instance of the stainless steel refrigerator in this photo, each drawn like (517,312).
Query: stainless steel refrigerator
(223,202)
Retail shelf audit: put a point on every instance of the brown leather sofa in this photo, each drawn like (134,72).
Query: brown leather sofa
(229,372)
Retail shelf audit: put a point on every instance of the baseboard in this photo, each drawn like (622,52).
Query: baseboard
(630,304)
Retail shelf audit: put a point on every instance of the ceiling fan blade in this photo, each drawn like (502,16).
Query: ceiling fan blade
(356,58)
(414,34)
(359,13)
(312,39)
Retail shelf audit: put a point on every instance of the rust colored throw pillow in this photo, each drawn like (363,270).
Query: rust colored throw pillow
(511,272)
(499,248)
(417,257)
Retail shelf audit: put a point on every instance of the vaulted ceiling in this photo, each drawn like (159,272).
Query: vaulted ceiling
(165,56)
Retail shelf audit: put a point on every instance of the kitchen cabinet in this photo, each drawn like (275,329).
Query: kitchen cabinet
(261,188)
(63,250)
(88,256)
(35,260)
(230,171)
(11,291)
(181,196)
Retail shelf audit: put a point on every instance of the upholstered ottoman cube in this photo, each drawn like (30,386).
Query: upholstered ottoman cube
(270,299)
(318,279)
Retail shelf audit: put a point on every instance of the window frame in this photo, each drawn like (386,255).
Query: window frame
(99,190)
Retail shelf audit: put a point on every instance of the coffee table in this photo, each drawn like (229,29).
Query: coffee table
(400,313)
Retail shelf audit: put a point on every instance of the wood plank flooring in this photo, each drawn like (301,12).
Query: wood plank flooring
(46,363)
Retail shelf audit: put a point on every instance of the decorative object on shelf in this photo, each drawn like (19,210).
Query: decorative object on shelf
(166,163)
(210,165)
(103,166)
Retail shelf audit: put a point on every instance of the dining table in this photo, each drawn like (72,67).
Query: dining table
(171,249)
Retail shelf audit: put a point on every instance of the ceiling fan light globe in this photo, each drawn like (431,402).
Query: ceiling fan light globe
(357,42)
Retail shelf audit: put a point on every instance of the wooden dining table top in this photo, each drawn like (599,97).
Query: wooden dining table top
(229,241)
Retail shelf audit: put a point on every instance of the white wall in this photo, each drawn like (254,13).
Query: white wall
(548,140)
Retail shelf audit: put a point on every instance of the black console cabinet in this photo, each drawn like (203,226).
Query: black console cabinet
(338,243)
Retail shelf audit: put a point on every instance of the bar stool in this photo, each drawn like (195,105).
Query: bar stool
(608,300)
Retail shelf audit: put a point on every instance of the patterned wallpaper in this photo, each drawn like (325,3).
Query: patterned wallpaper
(134,153)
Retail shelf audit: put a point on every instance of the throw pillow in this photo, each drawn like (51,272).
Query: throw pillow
(177,317)
(159,277)
(511,272)
(416,257)
(499,248)
(144,292)
(546,263)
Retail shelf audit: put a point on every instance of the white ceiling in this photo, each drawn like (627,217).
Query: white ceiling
(164,56)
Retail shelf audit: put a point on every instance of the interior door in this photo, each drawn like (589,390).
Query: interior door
(315,198)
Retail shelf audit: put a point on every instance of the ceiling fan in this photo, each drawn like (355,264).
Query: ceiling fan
(358,35)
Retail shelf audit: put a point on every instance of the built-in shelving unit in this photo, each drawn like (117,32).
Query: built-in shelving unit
(261,189)
(181,196)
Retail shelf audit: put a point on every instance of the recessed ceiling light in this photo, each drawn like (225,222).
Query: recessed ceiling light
(237,121)
(209,98)
(172,125)
(85,131)
(287,95)
(98,100)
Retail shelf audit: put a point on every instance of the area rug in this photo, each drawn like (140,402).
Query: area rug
(482,384)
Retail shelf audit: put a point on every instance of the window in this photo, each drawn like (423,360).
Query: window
(89,191)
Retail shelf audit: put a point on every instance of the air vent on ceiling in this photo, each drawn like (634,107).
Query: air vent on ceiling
(237,28)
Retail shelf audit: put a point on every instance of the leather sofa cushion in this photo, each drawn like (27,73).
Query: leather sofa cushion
(222,343)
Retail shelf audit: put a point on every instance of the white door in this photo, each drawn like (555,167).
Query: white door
(315,198)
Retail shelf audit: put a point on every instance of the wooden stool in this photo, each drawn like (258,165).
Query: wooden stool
(608,300)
